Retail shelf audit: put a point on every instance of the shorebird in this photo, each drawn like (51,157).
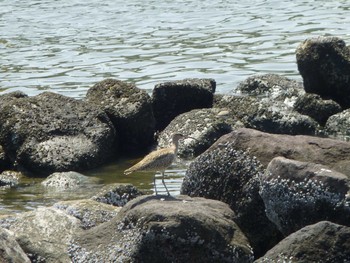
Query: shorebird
(158,161)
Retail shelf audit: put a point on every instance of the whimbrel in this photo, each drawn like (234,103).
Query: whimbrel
(158,160)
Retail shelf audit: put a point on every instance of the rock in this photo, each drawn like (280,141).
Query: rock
(338,125)
(5,162)
(314,106)
(204,125)
(266,115)
(44,234)
(297,194)
(90,213)
(10,250)
(231,176)
(117,194)
(67,180)
(170,99)
(130,110)
(324,242)
(154,229)
(52,133)
(9,178)
(266,146)
(324,64)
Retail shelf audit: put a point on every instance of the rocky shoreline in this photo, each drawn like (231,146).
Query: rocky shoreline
(270,181)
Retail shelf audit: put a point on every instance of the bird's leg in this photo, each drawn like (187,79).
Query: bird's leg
(155,186)
(164,184)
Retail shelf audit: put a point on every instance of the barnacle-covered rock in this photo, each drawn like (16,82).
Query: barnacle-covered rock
(10,250)
(297,194)
(338,125)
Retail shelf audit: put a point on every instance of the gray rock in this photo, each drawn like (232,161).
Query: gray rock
(266,146)
(130,110)
(151,229)
(231,176)
(324,64)
(338,125)
(297,194)
(267,115)
(90,213)
(9,178)
(204,125)
(10,250)
(117,194)
(53,133)
(44,234)
(314,106)
(324,242)
(67,180)
(172,98)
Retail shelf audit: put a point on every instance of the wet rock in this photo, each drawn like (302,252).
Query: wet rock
(324,242)
(5,162)
(338,125)
(67,180)
(231,176)
(10,250)
(204,125)
(180,229)
(266,115)
(172,98)
(9,178)
(130,110)
(324,64)
(266,146)
(53,133)
(314,106)
(89,212)
(117,194)
(297,194)
(44,234)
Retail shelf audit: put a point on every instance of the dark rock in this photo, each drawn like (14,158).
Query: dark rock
(338,125)
(231,176)
(265,115)
(53,133)
(151,229)
(89,212)
(5,162)
(9,178)
(314,106)
(324,64)
(67,180)
(324,242)
(297,194)
(10,250)
(130,110)
(204,125)
(117,194)
(173,98)
(266,146)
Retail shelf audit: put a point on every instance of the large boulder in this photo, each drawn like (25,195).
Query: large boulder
(130,110)
(324,64)
(10,250)
(172,98)
(324,242)
(297,194)
(266,146)
(231,176)
(51,132)
(154,229)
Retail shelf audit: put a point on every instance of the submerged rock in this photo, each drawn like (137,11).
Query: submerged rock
(172,98)
(67,180)
(10,250)
(297,194)
(150,229)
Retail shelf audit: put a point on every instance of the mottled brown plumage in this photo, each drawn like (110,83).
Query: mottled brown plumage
(158,160)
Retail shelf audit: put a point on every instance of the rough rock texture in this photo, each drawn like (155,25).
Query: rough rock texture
(67,180)
(45,233)
(231,176)
(324,64)
(267,115)
(130,110)
(9,178)
(150,229)
(266,146)
(204,125)
(117,194)
(297,194)
(173,98)
(10,250)
(324,242)
(339,125)
(50,132)
(91,213)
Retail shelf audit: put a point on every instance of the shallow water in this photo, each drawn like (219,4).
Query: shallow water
(67,46)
